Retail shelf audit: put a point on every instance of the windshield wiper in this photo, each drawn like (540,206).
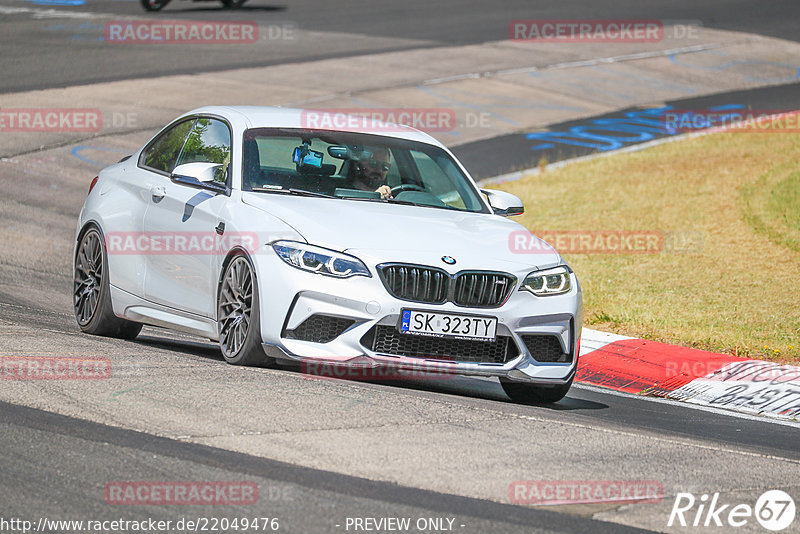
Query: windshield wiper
(409,203)
(388,200)
(304,193)
(292,191)
(402,202)
(406,202)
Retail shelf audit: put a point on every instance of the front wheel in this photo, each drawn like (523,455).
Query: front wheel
(238,315)
(535,394)
(154,5)
(91,295)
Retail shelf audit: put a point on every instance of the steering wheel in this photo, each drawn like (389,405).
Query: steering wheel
(406,187)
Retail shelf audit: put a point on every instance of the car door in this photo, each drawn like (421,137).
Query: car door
(183,223)
(123,225)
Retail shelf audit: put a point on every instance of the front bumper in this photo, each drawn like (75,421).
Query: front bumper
(289,299)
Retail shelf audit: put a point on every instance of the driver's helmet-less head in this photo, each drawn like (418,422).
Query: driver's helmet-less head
(372,164)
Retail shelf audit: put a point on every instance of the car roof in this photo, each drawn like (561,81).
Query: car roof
(277,117)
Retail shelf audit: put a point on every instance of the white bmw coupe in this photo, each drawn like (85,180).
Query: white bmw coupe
(370,246)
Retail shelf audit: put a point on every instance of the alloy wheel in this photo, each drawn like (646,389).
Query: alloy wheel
(88,277)
(235,306)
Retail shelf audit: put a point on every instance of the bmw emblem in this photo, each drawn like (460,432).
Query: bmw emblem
(449,260)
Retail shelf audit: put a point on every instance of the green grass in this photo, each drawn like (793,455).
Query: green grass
(728,278)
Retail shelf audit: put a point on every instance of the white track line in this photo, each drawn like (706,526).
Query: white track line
(39,13)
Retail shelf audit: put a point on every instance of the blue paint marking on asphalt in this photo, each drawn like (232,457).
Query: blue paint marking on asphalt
(78,149)
(641,126)
(57,2)
(730,64)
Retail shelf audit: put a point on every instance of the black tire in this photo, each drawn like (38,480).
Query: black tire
(240,344)
(233,4)
(91,296)
(535,394)
(154,5)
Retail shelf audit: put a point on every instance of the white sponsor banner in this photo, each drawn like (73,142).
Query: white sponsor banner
(749,386)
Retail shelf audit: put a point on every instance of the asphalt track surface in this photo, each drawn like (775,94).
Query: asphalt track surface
(34,55)
(519,151)
(175,411)
(303,499)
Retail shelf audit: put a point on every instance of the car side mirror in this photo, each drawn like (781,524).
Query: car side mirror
(200,174)
(504,204)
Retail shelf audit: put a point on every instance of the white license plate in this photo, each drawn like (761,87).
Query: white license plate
(447,325)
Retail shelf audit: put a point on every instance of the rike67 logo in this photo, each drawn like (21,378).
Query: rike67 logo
(774,510)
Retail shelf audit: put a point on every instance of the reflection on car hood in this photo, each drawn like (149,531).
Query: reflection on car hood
(380,232)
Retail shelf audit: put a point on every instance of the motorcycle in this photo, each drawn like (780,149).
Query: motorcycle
(158,5)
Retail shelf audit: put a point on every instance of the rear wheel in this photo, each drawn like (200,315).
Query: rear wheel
(91,296)
(239,317)
(535,394)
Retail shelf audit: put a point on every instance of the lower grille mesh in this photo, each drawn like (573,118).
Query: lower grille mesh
(319,328)
(387,340)
(546,348)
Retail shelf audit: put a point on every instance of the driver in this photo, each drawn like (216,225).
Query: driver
(370,172)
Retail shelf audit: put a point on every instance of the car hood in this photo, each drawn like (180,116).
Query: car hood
(380,232)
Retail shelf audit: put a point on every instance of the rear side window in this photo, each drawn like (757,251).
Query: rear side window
(162,155)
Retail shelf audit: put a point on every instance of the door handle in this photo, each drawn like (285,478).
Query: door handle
(220,229)
(158,192)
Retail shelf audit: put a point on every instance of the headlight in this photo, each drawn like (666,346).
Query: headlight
(319,260)
(549,282)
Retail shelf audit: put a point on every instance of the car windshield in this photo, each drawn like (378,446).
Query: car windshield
(355,166)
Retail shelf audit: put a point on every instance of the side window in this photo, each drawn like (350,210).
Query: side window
(209,142)
(163,153)
(435,179)
(442,179)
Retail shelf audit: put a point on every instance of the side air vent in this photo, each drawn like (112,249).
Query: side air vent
(546,348)
(319,329)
